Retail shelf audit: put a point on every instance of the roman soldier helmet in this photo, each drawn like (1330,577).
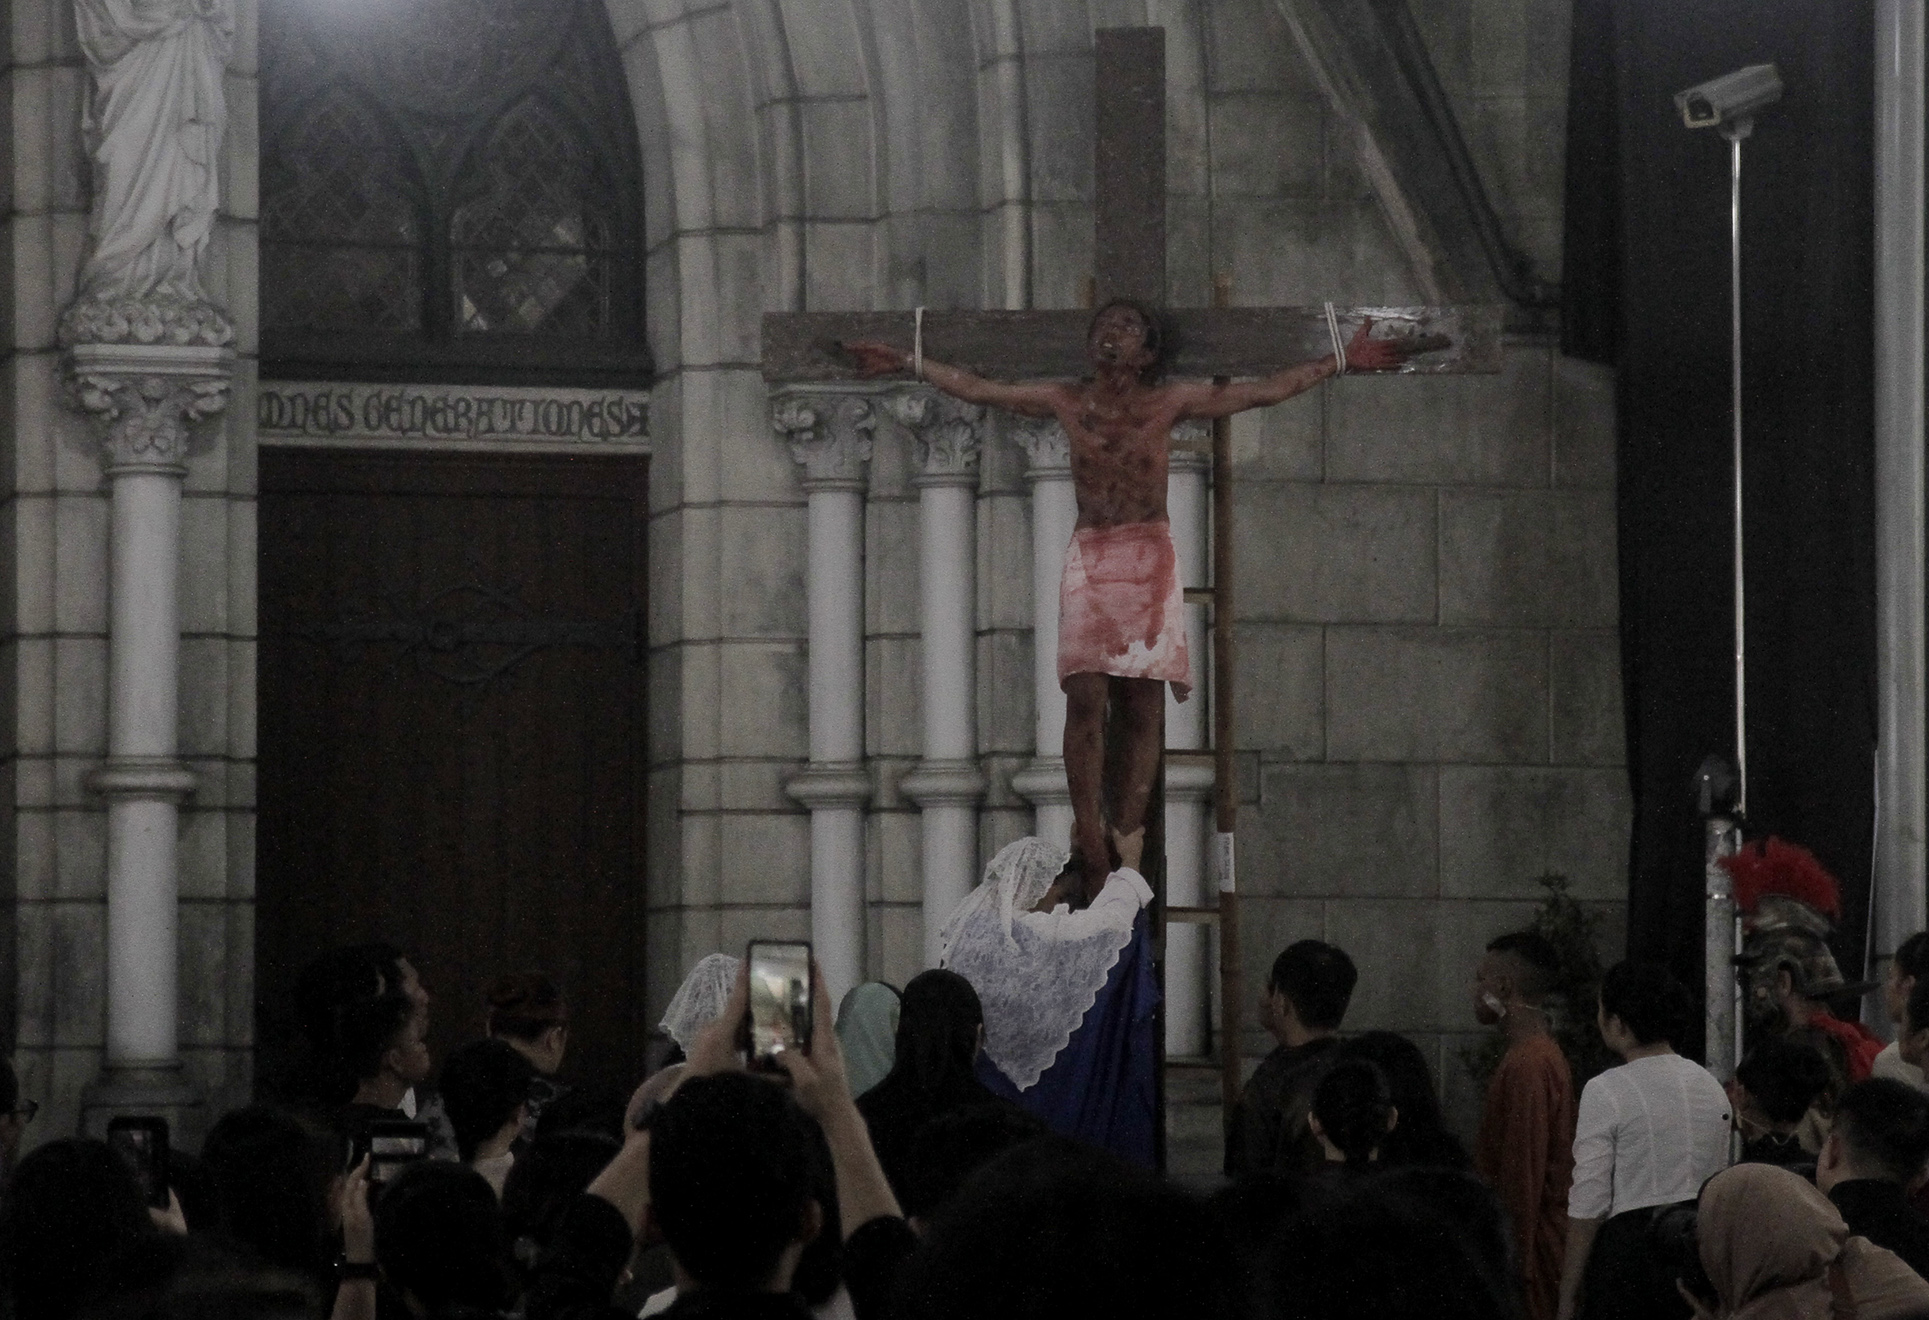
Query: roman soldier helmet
(1789,905)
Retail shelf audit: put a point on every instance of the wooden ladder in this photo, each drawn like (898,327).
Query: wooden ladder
(1223,915)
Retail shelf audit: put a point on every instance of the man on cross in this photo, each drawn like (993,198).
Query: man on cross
(1121,631)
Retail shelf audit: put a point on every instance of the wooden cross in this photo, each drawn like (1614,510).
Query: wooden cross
(1129,254)
(1221,342)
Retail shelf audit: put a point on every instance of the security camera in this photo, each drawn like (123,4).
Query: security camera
(1731,97)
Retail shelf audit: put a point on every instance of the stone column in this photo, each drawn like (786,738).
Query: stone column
(1188,786)
(147,355)
(947,783)
(144,397)
(1054,514)
(829,430)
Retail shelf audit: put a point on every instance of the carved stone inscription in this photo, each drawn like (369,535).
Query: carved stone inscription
(318,411)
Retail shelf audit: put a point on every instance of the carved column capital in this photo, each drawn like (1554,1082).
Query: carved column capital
(1191,449)
(949,435)
(1048,450)
(829,431)
(146,398)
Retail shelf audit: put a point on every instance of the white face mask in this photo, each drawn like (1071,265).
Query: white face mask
(1494,1002)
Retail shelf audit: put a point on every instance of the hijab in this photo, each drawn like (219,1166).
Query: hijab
(867,1026)
(937,1048)
(1769,1240)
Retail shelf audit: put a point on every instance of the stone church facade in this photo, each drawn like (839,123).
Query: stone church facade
(1428,675)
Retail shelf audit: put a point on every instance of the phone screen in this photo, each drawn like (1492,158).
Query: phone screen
(780,1000)
(142,1142)
(391,1145)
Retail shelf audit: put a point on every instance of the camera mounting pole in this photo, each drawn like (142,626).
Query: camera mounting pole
(1735,130)
(1728,103)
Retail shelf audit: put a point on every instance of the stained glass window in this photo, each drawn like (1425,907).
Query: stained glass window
(532,249)
(338,228)
(448,182)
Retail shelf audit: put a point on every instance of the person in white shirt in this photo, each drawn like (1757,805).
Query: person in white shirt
(1910,960)
(1649,1133)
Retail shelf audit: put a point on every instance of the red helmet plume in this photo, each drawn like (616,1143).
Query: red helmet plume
(1774,866)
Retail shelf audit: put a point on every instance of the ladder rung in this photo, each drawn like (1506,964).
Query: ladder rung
(1196,755)
(1193,1065)
(1201,595)
(1193,916)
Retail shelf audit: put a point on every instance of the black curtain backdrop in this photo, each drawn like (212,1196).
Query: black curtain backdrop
(1646,279)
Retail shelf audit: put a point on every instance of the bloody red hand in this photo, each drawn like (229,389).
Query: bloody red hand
(875,359)
(1364,354)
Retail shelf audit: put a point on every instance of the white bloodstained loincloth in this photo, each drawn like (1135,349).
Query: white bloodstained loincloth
(1121,609)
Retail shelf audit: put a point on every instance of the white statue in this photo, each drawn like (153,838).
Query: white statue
(154,127)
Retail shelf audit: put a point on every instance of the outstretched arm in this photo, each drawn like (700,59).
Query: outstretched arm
(879,359)
(1362,354)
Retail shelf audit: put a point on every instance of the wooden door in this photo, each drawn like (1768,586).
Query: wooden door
(451,737)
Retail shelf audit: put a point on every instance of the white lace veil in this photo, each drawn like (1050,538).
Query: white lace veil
(1035,974)
(700,999)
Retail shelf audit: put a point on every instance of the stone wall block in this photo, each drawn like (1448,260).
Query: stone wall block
(1451,429)
(1306,553)
(234,263)
(766,858)
(840,265)
(1004,562)
(1265,145)
(1283,247)
(1266,926)
(897,876)
(1342,830)
(1059,115)
(1061,251)
(1248,49)
(891,566)
(35,855)
(240,836)
(1416,959)
(204,584)
(1280,689)
(42,30)
(666,581)
(1006,719)
(80,854)
(30,239)
(80,564)
(723,90)
(31,542)
(900,936)
(752,466)
(763,561)
(202,719)
(703,585)
(241,159)
(204,961)
(1584,677)
(1408,694)
(33,404)
(1282,443)
(1584,421)
(764,706)
(33,695)
(893,696)
(1501,828)
(34,975)
(80,695)
(837,139)
(1527,558)
(737,926)
(744,785)
(78,933)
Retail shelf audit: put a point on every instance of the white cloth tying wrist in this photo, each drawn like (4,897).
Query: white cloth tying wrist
(1339,346)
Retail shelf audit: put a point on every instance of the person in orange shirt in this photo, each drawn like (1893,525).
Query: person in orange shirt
(1526,1146)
